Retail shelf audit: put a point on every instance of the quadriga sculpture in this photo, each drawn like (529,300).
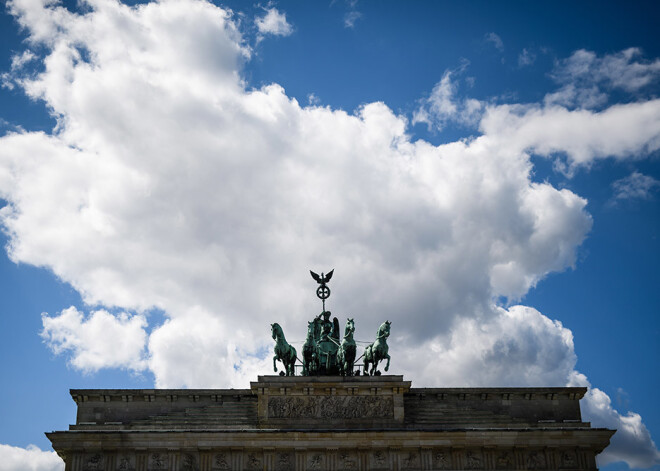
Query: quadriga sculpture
(377,351)
(283,351)
(346,352)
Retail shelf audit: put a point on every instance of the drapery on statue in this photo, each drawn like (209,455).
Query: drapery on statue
(377,351)
(322,353)
(347,349)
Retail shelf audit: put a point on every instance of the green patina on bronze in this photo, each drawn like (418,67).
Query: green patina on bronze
(324,352)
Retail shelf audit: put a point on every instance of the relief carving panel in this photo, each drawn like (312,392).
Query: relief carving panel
(410,460)
(94,462)
(504,460)
(569,459)
(158,461)
(315,461)
(347,460)
(535,460)
(221,461)
(474,460)
(284,462)
(189,462)
(253,460)
(442,460)
(125,462)
(379,460)
(330,407)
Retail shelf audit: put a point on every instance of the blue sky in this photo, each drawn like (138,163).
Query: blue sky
(483,174)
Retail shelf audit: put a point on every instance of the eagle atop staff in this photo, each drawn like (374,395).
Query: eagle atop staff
(323,292)
(323,279)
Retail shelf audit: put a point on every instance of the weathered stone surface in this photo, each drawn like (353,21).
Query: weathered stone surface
(330,423)
(330,407)
(330,402)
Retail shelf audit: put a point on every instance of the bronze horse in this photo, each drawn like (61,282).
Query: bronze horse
(377,351)
(310,358)
(283,351)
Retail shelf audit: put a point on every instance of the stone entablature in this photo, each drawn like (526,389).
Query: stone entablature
(395,450)
(330,424)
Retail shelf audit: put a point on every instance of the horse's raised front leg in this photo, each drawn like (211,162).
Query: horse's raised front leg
(387,367)
(274,364)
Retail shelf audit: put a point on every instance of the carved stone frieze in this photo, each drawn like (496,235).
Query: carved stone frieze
(379,460)
(284,462)
(569,459)
(253,460)
(351,458)
(410,460)
(189,462)
(158,461)
(347,461)
(125,462)
(474,459)
(221,461)
(535,460)
(441,460)
(93,462)
(315,461)
(330,407)
(504,460)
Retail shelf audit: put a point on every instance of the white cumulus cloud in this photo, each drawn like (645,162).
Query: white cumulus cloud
(632,443)
(102,340)
(169,183)
(273,22)
(627,131)
(511,347)
(587,79)
(31,458)
(444,106)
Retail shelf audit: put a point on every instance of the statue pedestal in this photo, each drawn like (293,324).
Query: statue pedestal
(330,402)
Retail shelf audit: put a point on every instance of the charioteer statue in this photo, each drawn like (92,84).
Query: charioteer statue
(325,352)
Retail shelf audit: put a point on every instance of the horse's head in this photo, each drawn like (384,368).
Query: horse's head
(311,327)
(350,327)
(275,329)
(384,329)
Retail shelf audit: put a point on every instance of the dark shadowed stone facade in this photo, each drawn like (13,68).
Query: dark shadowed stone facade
(327,424)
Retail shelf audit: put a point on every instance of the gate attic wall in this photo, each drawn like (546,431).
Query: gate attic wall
(330,423)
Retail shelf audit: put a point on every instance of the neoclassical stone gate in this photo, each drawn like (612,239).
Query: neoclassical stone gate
(330,423)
